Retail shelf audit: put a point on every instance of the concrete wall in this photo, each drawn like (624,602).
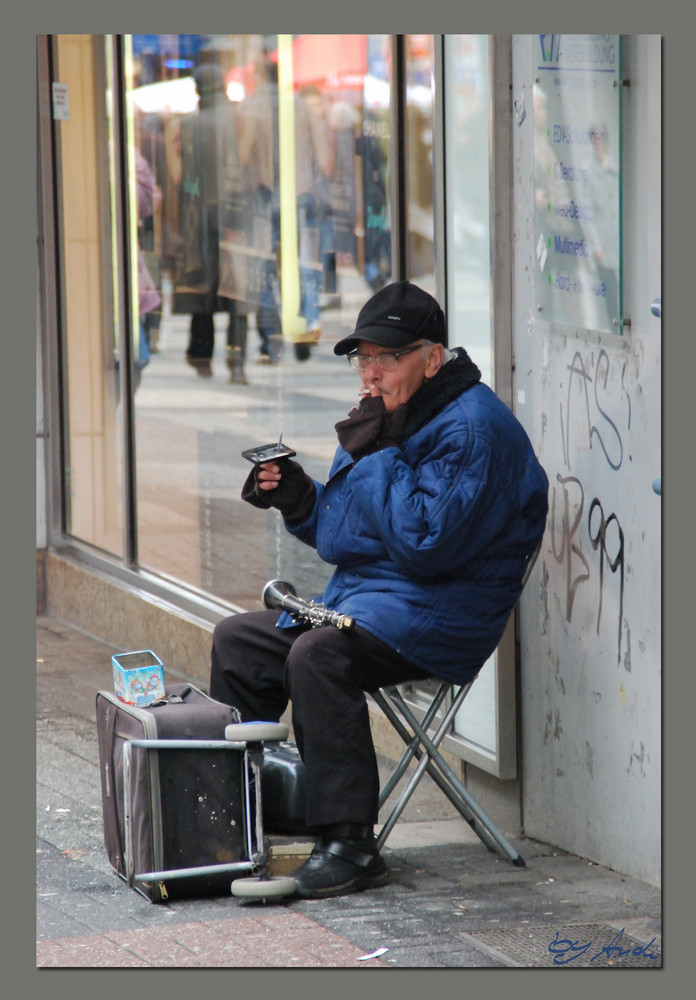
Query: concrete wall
(590,619)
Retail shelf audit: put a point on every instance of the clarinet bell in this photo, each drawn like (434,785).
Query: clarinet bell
(279,594)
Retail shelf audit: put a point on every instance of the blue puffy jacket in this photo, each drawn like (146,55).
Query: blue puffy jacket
(430,540)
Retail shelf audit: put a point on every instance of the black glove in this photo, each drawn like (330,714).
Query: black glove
(368,427)
(293,496)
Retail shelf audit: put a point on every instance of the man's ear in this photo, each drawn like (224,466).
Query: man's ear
(435,360)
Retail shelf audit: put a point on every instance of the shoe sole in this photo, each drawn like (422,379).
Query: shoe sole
(345,888)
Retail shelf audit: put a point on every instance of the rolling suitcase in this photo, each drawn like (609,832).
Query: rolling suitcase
(175,809)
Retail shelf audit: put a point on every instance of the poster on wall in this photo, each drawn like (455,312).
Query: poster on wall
(577,177)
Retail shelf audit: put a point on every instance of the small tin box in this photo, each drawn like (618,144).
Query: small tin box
(138,677)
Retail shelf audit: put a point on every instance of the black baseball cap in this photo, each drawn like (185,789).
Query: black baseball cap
(395,316)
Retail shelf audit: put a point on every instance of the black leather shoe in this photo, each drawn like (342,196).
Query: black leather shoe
(203,366)
(338,868)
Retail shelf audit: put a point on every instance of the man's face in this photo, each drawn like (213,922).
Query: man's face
(396,387)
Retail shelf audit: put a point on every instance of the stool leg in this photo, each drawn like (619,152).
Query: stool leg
(411,741)
(427,761)
(432,761)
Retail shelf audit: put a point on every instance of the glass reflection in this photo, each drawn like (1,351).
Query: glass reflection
(269,227)
(467,102)
(468,197)
(419,160)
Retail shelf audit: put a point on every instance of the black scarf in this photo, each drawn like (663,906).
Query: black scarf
(454,378)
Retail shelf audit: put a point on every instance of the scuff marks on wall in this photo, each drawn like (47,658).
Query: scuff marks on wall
(589,759)
(545,597)
(637,759)
(554,727)
(627,657)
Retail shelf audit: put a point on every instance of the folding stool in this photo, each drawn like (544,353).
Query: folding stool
(423,747)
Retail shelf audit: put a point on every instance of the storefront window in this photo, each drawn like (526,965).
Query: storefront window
(238,188)
(264,225)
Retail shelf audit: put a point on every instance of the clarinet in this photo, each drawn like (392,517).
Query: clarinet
(279,594)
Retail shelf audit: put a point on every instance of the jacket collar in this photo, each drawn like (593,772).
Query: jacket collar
(455,377)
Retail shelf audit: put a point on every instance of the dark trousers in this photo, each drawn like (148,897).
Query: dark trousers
(202,332)
(324,673)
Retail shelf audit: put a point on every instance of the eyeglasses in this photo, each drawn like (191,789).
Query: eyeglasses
(387,361)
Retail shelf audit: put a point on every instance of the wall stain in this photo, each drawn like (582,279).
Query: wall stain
(547,728)
(589,759)
(622,697)
(545,597)
(639,758)
(558,730)
(627,657)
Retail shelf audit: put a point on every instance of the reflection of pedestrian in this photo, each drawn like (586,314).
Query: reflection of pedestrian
(150,145)
(207,134)
(147,197)
(149,300)
(315,157)
(258,154)
(373,146)
(343,119)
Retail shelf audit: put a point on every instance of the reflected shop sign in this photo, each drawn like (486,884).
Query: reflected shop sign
(577,169)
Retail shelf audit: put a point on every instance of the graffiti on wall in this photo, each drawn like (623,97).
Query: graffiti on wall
(587,537)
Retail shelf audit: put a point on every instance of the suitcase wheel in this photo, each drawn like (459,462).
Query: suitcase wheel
(256,732)
(264,888)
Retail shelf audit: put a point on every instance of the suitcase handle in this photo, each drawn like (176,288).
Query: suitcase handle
(172,699)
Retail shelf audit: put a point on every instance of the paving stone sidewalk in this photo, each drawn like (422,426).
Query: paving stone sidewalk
(450,903)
